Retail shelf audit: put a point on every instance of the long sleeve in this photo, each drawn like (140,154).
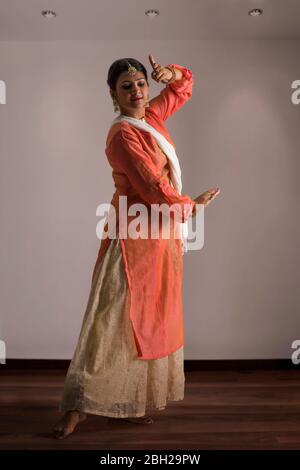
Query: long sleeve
(174,95)
(127,155)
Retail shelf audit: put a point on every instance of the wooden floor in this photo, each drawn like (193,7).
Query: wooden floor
(221,410)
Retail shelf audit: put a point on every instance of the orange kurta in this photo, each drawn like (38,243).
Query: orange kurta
(153,265)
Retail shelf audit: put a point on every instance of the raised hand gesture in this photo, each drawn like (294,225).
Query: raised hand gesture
(159,73)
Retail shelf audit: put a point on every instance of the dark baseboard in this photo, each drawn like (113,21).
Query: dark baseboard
(239,364)
(189,365)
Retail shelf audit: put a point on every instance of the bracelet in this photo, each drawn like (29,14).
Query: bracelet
(173,78)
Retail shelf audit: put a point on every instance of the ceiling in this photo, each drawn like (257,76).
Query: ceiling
(126,19)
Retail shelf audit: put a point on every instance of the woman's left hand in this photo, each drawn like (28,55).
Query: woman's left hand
(159,73)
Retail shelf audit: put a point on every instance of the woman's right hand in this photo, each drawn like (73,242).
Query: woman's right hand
(206,198)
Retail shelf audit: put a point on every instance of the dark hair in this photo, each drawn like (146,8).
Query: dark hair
(121,65)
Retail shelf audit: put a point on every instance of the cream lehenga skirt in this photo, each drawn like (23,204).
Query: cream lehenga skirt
(105,377)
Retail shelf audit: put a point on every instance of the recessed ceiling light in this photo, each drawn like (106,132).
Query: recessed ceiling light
(255,12)
(152,13)
(48,14)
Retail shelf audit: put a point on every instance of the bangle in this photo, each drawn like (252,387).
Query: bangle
(173,78)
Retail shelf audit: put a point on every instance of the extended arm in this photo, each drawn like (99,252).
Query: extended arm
(128,156)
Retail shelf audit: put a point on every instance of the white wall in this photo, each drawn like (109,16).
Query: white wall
(240,132)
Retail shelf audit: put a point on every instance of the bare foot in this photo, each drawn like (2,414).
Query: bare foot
(68,423)
(140,420)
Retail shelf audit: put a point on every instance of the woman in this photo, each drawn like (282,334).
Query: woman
(129,356)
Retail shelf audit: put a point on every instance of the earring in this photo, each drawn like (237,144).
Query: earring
(116,106)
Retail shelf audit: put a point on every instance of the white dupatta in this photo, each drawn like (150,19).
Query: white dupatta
(175,170)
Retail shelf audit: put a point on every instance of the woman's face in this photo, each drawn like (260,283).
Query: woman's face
(129,87)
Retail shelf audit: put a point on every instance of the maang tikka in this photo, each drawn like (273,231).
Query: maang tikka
(131,69)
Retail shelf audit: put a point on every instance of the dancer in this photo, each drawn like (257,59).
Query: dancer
(129,355)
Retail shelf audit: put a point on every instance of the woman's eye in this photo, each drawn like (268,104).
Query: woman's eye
(126,87)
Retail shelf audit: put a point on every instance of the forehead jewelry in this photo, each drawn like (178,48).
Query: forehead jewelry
(131,69)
